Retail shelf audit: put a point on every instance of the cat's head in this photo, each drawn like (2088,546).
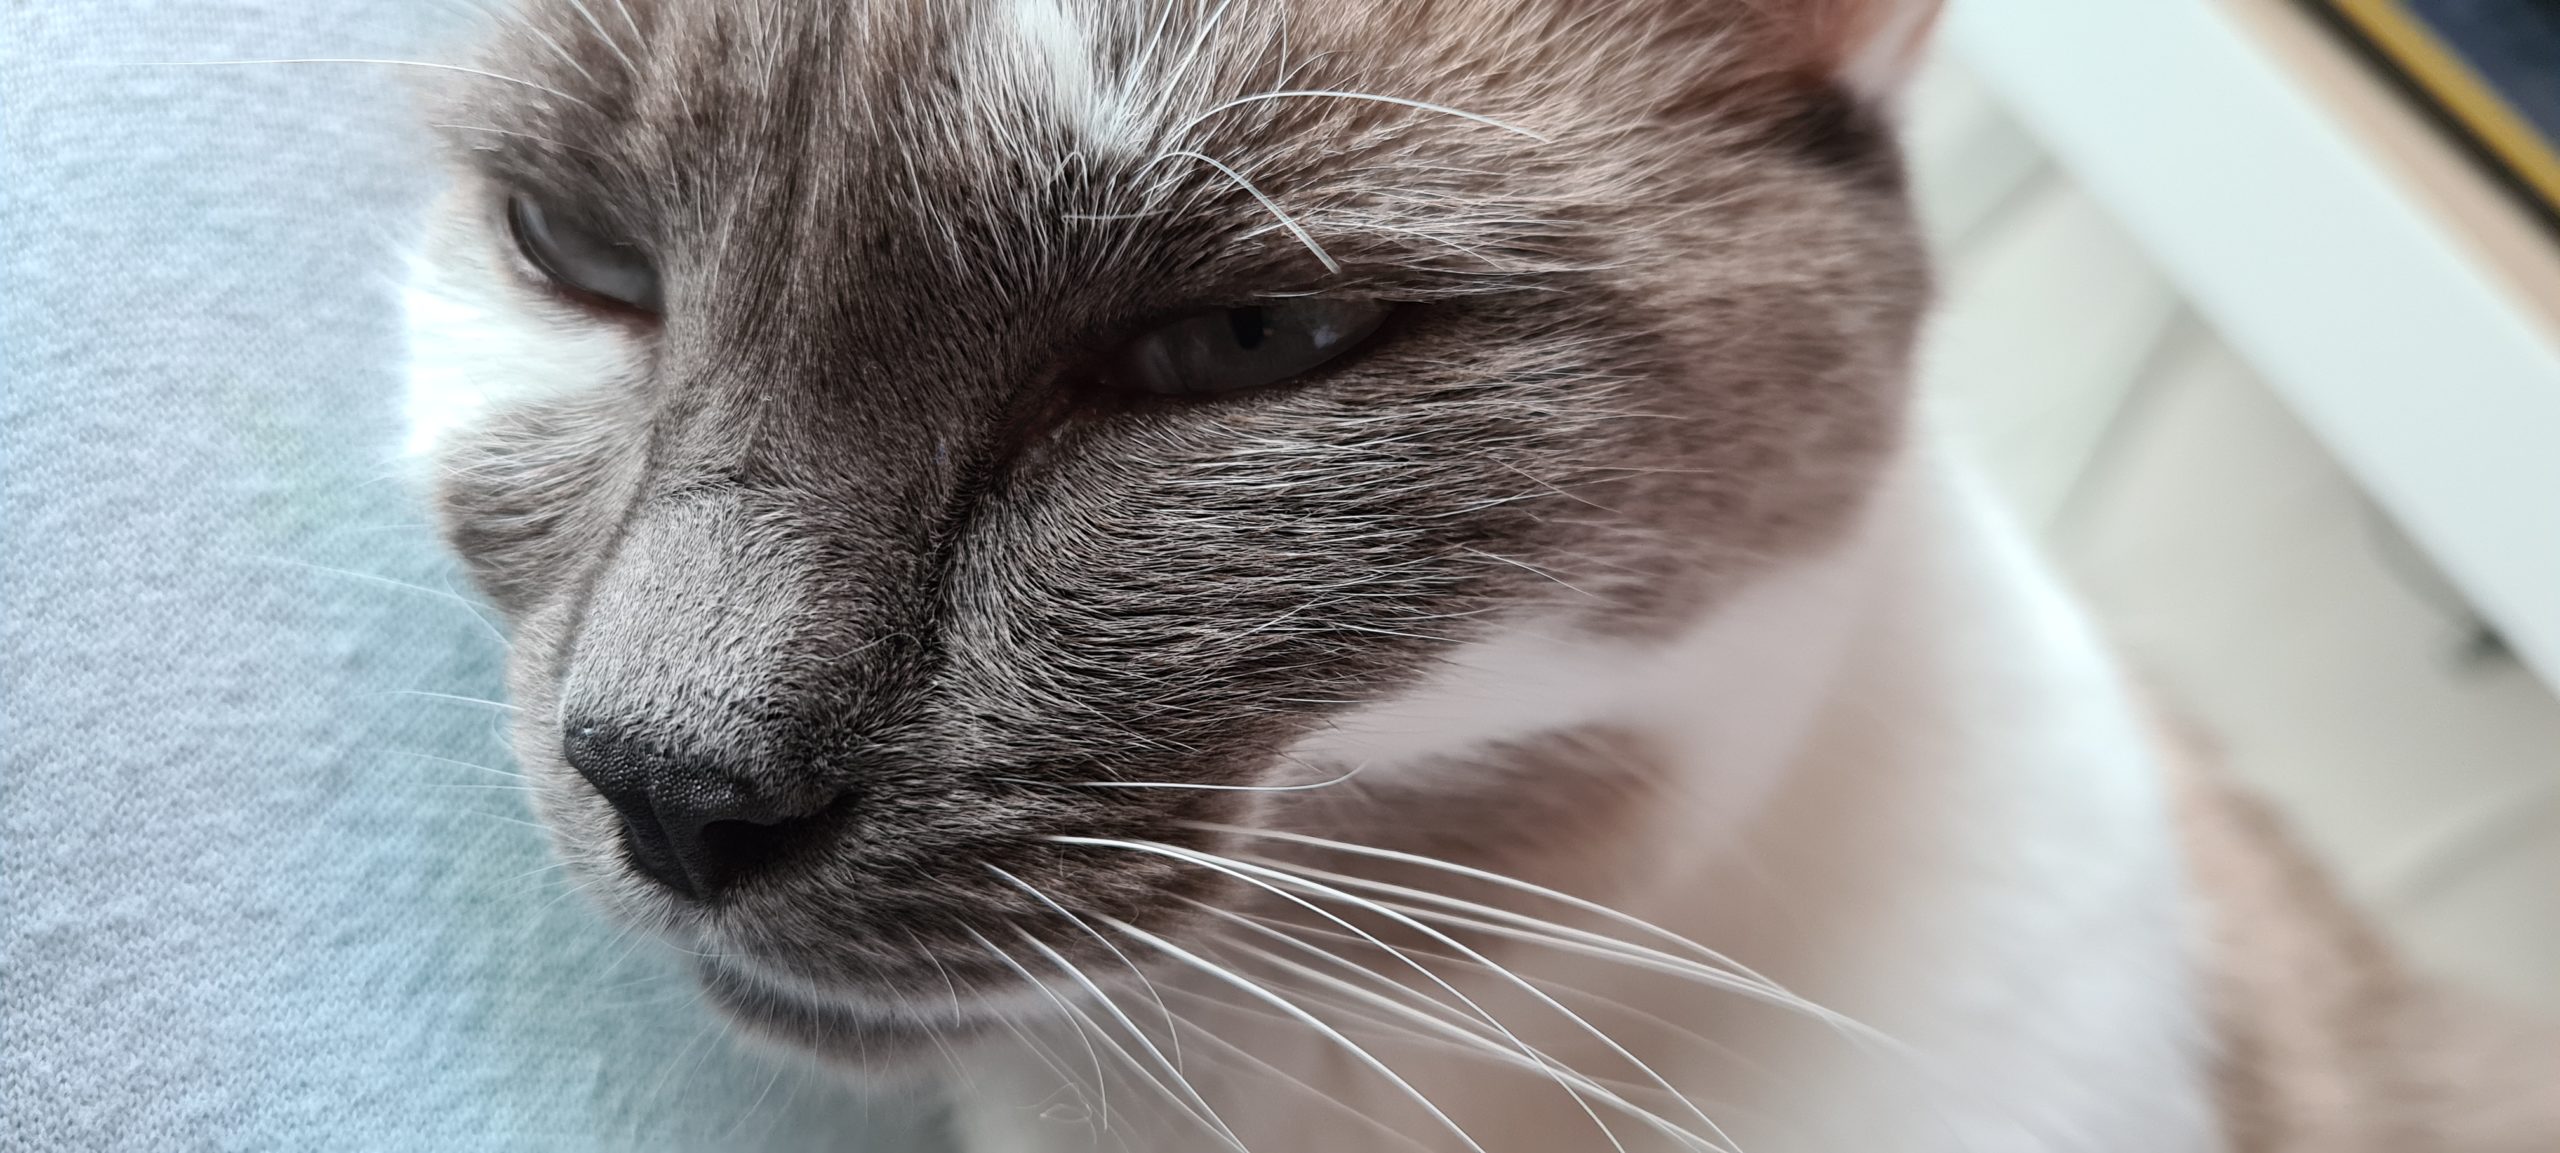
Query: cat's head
(903,434)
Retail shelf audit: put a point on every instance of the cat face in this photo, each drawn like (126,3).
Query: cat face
(905,434)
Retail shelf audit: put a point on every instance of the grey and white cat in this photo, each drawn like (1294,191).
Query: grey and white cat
(1335,574)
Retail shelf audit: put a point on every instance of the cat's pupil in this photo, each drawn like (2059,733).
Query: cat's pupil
(1220,350)
(1249,326)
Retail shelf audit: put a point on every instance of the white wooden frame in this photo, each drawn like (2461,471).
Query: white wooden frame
(2419,344)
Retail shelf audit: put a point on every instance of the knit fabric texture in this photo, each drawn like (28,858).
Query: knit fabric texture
(266,879)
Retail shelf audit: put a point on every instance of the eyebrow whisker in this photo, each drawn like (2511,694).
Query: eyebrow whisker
(1341,94)
(534,137)
(1286,221)
(627,63)
(1309,787)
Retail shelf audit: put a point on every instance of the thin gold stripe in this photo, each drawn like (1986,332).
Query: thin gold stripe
(2442,72)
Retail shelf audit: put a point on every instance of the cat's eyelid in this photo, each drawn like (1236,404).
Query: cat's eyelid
(569,254)
(1204,353)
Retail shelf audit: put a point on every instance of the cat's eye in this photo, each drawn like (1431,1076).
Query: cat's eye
(582,260)
(1227,349)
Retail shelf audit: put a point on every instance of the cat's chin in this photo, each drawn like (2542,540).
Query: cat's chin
(874,1040)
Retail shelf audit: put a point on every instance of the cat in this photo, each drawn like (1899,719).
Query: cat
(1305,575)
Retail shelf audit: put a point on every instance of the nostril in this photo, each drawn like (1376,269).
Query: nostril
(743,846)
(689,822)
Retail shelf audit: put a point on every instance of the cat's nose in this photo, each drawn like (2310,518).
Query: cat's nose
(693,826)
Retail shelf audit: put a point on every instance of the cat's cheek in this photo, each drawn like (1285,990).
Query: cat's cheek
(1735,683)
(482,340)
(522,411)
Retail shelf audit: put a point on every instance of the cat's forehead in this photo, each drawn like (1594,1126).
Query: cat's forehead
(1146,154)
(681,83)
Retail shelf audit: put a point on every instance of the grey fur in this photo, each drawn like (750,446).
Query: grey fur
(861,535)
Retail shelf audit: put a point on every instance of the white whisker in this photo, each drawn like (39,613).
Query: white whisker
(526,790)
(455,697)
(1517,885)
(545,870)
(1207,1120)
(1477,1046)
(637,36)
(1171,82)
(1275,1071)
(1282,215)
(1223,788)
(609,42)
(1101,1081)
(536,138)
(458,764)
(557,49)
(1065,1079)
(1482,1046)
(507,819)
(1556,987)
(1140,1068)
(1207,1111)
(1504,973)
(1251,989)
(1422,105)
(1526,567)
(1210,861)
(1173,1036)
(427,64)
(404,586)
(1517,926)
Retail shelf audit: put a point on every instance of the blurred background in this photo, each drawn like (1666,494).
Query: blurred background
(2106,190)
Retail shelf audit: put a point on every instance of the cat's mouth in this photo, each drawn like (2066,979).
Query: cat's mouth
(894,999)
(877,1032)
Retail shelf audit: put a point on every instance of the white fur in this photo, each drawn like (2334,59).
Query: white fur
(2002,889)
(1042,46)
(1763,658)
(483,336)
(1959,838)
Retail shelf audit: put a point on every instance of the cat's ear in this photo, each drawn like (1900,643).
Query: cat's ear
(1865,48)
(1868,46)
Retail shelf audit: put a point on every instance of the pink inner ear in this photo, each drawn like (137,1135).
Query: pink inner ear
(1870,45)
